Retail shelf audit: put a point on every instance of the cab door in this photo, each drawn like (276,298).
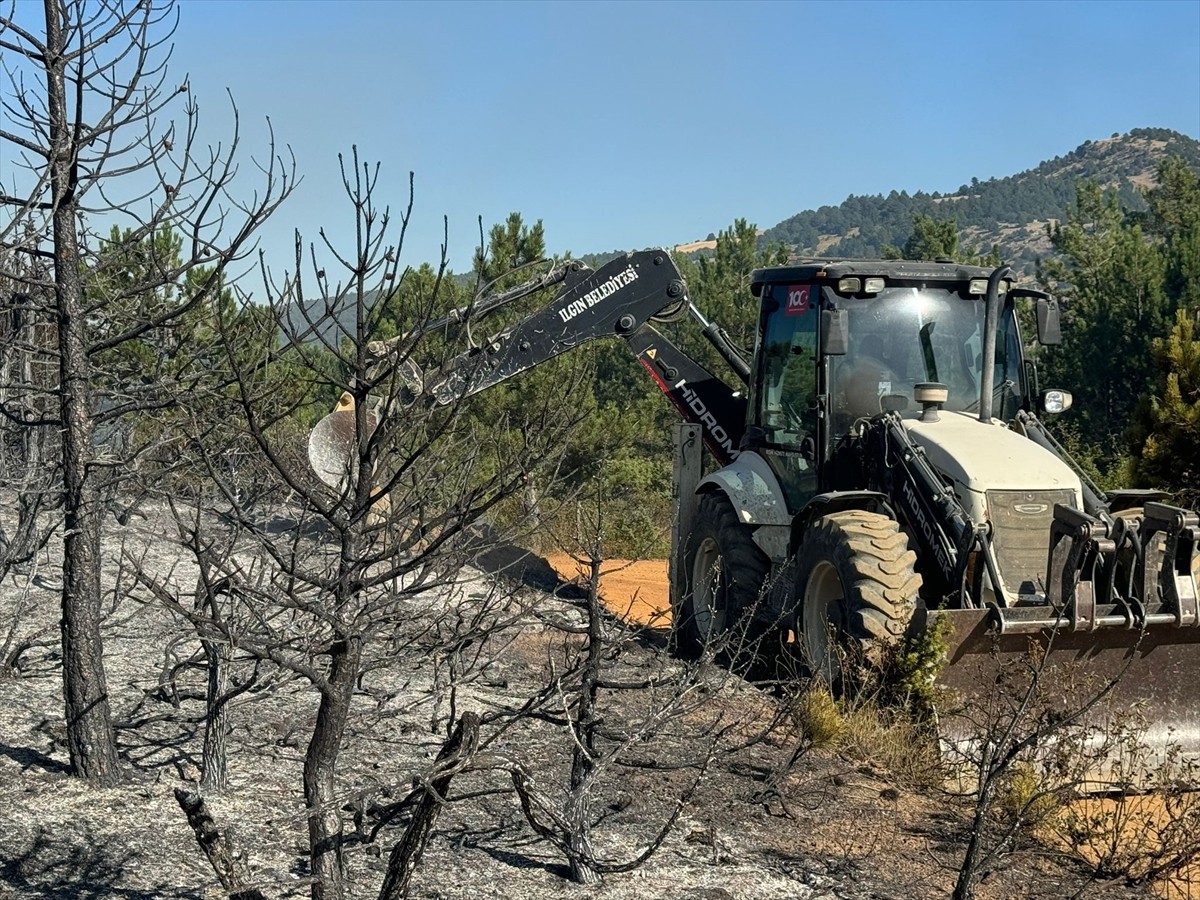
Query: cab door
(784,410)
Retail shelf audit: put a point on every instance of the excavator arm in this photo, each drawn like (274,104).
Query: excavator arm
(620,299)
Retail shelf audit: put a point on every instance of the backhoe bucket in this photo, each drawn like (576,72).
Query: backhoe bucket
(1104,678)
(331,443)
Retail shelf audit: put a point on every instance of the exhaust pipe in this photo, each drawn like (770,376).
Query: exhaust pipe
(991,321)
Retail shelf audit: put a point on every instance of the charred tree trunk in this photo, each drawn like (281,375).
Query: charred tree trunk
(217,657)
(214,773)
(964,886)
(454,756)
(320,769)
(231,870)
(580,856)
(578,811)
(90,737)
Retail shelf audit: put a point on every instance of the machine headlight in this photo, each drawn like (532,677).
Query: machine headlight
(979,286)
(849,285)
(1056,401)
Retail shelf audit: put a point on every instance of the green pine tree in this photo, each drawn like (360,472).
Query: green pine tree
(1111,277)
(719,286)
(1175,218)
(939,239)
(1167,435)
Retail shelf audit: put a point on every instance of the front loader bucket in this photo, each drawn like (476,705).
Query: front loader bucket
(1118,705)
(1102,681)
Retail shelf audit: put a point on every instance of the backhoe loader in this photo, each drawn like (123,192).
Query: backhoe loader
(879,463)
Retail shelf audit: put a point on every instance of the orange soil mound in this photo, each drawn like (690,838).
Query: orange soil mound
(636,590)
(1139,828)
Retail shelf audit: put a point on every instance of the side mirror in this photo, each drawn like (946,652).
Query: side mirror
(1049,326)
(808,451)
(1048,323)
(835,332)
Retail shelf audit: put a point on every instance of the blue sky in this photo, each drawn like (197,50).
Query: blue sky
(633,124)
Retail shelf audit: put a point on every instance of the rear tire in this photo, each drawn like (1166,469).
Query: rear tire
(723,572)
(856,588)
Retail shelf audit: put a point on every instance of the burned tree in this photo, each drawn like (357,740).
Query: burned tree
(97,133)
(606,701)
(337,580)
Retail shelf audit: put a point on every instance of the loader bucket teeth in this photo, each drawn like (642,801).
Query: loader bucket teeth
(1169,574)
(1121,572)
(1080,548)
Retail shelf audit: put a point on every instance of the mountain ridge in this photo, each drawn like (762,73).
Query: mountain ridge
(1011,212)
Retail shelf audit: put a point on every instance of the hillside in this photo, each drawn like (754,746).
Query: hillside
(1012,211)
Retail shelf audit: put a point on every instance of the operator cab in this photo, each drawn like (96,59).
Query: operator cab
(841,341)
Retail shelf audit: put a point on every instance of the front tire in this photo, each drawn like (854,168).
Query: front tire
(856,589)
(723,572)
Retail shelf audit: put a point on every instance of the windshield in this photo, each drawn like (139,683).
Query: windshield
(905,336)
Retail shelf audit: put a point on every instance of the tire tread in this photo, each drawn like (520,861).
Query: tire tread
(877,570)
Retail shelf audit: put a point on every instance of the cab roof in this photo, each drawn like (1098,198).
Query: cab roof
(808,271)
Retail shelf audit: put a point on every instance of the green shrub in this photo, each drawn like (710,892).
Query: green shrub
(911,671)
